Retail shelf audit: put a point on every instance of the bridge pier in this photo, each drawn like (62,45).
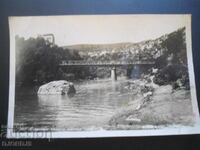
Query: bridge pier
(128,72)
(113,74)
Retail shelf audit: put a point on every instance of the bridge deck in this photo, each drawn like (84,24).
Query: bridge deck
(105,63)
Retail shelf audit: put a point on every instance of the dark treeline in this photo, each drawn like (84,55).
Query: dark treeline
(172,64)
(37,62)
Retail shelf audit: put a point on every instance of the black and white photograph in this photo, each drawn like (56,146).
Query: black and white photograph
(102,75)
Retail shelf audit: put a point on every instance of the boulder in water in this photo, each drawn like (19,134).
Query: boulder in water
(60,87)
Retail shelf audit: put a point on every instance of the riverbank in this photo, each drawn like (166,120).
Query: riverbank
(163,107)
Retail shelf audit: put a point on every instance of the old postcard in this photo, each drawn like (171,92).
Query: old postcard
(101,76)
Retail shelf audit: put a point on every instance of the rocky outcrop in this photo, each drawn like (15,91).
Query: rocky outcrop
(167,107)
(60,87)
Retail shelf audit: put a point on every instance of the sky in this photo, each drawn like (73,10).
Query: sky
(97,29)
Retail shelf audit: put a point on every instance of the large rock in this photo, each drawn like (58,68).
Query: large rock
(60,87)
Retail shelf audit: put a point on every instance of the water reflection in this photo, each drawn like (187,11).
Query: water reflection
(91,107)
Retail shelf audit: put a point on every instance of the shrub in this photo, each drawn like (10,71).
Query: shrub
(172,73)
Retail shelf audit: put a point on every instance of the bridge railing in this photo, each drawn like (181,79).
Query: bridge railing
(83,62)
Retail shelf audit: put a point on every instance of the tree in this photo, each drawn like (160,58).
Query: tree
(176,45)
(38,62)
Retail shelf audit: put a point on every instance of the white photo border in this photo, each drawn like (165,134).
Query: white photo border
(179,130)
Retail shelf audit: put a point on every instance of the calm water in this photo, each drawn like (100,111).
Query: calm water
(91,107)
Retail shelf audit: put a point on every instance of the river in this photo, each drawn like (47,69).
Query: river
(94,103)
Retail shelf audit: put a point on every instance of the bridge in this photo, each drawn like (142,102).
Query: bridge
(112,64)
(104,63)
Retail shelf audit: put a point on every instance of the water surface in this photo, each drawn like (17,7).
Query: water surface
(94,103)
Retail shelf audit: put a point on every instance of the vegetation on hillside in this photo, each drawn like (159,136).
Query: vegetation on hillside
(172,64)
(168,52)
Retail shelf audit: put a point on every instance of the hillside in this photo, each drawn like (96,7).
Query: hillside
(37,61)
(150,49)
(94,47)
(168,52)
